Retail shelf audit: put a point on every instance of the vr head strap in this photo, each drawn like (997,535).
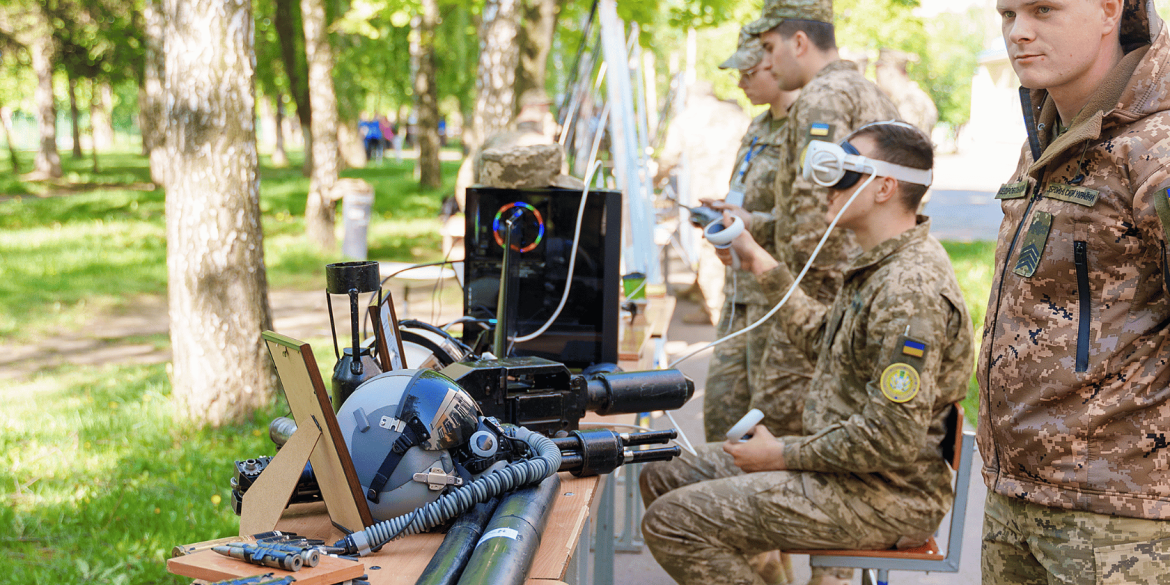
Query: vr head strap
(840,166)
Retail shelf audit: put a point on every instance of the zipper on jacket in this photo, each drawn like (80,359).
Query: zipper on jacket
(998,305)
(1081,260)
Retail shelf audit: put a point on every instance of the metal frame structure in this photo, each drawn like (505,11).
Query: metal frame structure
(876,569)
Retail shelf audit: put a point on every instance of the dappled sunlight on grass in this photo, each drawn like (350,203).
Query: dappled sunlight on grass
(99,476)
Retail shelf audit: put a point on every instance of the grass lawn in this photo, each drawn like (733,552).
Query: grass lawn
(89,241)
(98,479)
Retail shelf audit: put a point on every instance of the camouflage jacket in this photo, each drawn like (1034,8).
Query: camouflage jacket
(1075,362)
(895,350)
(833,104)
(760,153)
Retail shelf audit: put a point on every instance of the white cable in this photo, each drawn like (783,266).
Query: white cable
(791,289)
(572,262)
(613,425)
(686,443)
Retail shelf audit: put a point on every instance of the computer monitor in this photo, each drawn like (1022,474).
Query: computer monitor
(586,331)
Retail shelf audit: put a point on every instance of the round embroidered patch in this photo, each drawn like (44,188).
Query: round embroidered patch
(900,382)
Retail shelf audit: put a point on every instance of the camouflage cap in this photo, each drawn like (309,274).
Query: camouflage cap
(776,11)
(748,53)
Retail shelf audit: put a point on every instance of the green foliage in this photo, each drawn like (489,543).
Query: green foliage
(946,47)
(974,263)
(93,241)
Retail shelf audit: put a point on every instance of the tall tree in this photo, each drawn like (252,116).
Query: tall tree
(43,49)
(496,75)
(320,209)
(217,282)
(151,108)
(427,93)
(289,31)
(74,118)
(538,23)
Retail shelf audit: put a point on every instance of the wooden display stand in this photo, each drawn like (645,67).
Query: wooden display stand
(317,440)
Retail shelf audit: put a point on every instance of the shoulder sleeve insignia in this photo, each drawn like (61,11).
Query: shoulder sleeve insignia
(820,131)
(900,382)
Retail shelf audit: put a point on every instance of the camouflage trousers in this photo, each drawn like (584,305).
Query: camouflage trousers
(705,518)
(759,369)
(1029,543)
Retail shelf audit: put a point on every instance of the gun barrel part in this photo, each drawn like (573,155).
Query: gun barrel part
(659,454)
(649,437)
(281,429)
(634,392)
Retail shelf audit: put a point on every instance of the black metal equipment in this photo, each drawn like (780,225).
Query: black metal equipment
(546,397)
(505,552)
(600,451)
(450,559)
(356,365)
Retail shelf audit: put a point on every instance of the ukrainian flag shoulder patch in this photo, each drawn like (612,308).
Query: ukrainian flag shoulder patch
(913,348)
(819,129)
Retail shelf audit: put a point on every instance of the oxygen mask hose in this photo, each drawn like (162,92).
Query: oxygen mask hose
(546,462)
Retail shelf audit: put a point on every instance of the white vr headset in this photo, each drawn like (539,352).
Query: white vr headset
(840,166)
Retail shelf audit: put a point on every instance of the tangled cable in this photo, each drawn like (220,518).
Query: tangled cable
(515,475)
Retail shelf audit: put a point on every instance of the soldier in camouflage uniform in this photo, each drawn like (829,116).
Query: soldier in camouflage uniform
(727,393)
(894,352)
(834,100)
(1074,367)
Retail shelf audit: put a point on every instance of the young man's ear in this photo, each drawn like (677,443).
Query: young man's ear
(887,189)
(1112,12)
(801,44)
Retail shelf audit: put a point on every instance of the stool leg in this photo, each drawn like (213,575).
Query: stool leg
(867,577)
(883,577)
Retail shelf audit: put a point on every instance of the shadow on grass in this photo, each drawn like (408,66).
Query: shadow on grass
(67,255)
(101,491)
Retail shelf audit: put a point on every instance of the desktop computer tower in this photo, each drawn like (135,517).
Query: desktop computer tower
(586,331)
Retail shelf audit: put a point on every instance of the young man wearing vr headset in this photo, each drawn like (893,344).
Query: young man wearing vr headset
(1074,370)
(892,353)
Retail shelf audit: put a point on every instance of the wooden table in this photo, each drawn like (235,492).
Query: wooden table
(403,560)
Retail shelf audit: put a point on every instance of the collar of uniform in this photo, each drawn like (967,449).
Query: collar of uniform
(1089,121)
(881,251)
(835,66)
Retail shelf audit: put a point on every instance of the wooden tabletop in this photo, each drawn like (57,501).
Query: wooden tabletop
(402,561)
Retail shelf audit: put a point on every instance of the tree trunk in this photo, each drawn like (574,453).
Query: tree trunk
(538,23)
(42,52)
(496,74)
(151,113)
(320,209)
(74,118)
(288,31)
(6,121)
(279,156)
(427,94)
(101,123)
(217,282)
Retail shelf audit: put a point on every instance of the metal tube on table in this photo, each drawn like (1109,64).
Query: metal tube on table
(448,563)
(504,555)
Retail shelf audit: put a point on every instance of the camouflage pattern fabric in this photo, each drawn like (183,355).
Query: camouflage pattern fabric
(1025,543)
(737,382)
(869,471)
(1074,373)
(766,148)
(776,11)
(706,519)
(837,101)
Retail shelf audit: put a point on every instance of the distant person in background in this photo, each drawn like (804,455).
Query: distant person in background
(706,135)
(371,133)
(399,140)
(387,132)
(442,132)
